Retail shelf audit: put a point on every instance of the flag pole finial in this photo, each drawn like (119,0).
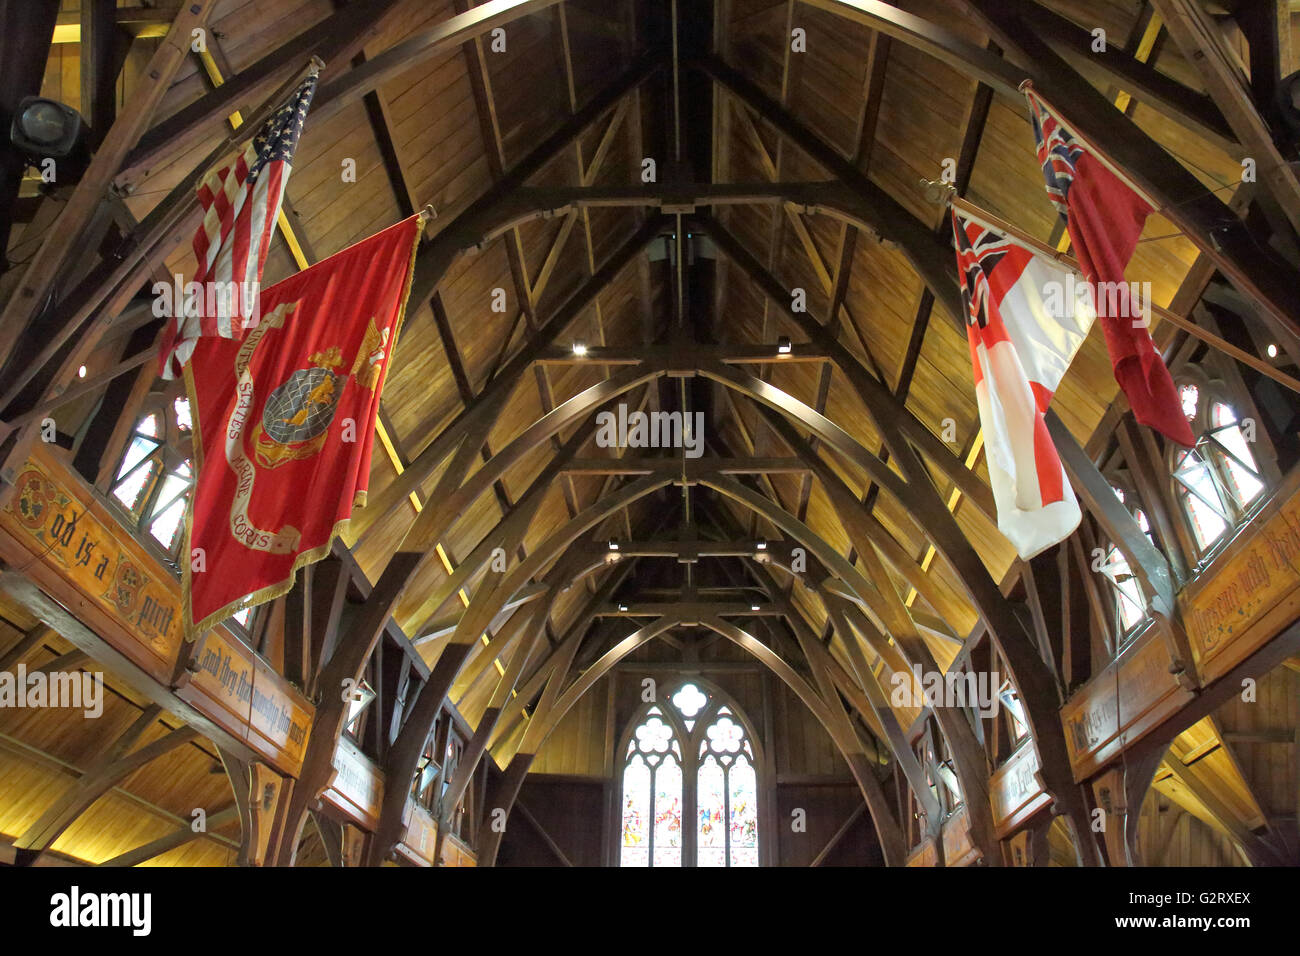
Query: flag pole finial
(939,192)
(1025,85)
(427,213)
(315,65)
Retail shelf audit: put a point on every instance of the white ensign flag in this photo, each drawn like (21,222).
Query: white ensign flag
(1024,325)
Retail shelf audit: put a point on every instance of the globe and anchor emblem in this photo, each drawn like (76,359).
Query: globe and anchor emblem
(299,411)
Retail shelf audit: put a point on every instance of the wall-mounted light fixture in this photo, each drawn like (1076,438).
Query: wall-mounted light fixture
(46,129)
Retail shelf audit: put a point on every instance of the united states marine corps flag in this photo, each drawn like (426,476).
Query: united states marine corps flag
(283,422)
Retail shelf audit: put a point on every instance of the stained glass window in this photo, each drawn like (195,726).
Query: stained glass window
(695,758)
(652,795)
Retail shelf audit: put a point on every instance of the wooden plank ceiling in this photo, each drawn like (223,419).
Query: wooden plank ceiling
(447,129)
(444,131)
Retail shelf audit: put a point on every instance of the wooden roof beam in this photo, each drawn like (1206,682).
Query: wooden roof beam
(353,25)
(56,250)
(426,461)
(1203,47)
(1257,271)
(111,767)
(1192,109)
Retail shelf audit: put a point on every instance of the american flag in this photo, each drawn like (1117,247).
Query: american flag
(240,204)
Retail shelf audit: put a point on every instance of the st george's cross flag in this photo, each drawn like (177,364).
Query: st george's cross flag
(1104,218)
(284,420)
(1023,330)
(241,203)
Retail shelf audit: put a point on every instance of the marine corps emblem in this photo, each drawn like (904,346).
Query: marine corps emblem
(299,412)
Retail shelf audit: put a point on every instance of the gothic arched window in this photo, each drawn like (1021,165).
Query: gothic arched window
(153,480)
(1130,602)
(155,477)
(690,760)
(1217,481)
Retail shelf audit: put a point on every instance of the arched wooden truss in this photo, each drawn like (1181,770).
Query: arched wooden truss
(859,593)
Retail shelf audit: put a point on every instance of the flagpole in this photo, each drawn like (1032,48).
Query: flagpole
(985,218)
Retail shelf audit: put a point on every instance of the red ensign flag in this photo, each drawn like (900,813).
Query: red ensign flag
(284,418)
(1104,218)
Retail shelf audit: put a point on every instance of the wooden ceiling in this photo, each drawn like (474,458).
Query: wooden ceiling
(447,129)
(457,124)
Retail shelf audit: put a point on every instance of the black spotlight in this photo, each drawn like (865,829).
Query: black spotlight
(45,128)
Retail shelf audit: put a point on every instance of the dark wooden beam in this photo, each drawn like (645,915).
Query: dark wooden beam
(1201,215)
(102,45)
(351,652)
(26,30)
(59,243)
(171,841)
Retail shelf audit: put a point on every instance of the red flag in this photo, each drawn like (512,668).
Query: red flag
(283,424)
(1104,218)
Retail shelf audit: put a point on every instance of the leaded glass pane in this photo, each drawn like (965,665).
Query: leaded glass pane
(690,700)
(654,735)
(1198,492)
(139,450)
(725,735)
(743,786)
(166,528)
(132,491)
(668,814)
(710,802)
(1244,485)
(636,813)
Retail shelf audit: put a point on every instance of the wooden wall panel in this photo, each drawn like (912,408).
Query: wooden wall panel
(572,814)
